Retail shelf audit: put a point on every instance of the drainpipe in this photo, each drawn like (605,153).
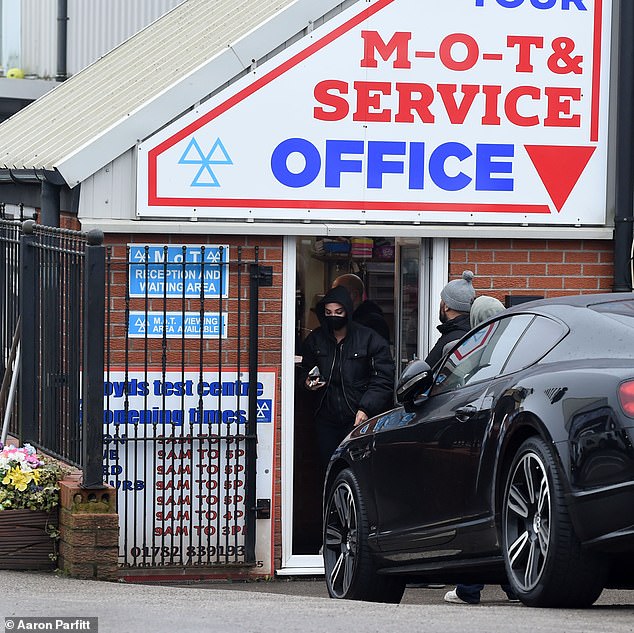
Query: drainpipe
(50,210)
(62,32)
(624,211)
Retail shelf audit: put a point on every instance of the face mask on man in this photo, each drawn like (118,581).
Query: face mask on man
(335,323)
(443,315)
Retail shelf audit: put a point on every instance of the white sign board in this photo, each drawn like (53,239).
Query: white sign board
(404,110)
(183,495)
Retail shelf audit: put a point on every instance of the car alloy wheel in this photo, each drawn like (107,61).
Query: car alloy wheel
(349,566)
(546,564)
(341,544)
(527,520)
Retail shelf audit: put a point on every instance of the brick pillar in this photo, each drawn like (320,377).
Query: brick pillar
(89,531)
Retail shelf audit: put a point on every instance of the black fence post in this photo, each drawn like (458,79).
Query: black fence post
(93,360)
(29,427)
(260,276)
(251,426)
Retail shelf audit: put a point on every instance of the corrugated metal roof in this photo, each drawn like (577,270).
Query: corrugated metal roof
(96,115)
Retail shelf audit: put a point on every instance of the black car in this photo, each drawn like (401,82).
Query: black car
(511,460)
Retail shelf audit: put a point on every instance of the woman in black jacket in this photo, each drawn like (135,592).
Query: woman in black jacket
(354,379)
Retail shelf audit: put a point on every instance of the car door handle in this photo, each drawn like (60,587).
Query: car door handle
(464,413)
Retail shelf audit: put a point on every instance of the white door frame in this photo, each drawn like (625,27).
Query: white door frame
(436,271)
(291,564)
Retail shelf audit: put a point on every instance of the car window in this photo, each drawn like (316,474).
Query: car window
(622,311)
(538,339)
(482,355)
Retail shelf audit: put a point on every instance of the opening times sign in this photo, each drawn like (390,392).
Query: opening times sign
(405,110)
(183,496)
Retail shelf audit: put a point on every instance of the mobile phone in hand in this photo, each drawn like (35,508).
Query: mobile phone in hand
(315,377)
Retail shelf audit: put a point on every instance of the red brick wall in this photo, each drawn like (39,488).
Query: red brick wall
(66,220)
(550,268)
(89,531)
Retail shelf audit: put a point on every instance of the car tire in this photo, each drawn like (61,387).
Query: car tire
(349,568)
(545,563)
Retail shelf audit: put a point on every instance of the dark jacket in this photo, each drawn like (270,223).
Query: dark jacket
(370,314)
(449,331)
(359,371)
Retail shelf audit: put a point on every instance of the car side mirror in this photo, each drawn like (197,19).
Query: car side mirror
(416,378)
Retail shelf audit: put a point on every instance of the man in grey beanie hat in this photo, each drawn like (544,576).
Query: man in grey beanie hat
(455,303)
(459,294)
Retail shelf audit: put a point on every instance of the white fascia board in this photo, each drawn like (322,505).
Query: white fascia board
(366,230)
(189,90)
(280,27)
(25,88)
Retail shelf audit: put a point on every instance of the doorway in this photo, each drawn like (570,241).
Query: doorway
(390,269)
(418,272)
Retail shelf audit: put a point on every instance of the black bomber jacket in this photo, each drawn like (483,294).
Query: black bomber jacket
(359,372)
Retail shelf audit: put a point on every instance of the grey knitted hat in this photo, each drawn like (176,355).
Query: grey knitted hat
(459,293)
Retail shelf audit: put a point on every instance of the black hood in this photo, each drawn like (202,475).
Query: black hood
(335,295)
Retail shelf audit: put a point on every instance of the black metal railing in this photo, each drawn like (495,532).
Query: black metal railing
(181,403)
(61,308)
(10,231)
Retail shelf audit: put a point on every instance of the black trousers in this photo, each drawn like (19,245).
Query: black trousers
(329,436)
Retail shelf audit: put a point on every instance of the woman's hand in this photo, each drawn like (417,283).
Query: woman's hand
(360,418)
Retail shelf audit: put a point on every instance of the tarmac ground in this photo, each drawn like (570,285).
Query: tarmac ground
(315,587)
(289,605)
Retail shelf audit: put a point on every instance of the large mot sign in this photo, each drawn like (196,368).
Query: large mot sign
(488,111)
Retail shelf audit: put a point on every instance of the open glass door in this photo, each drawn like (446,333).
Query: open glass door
(408,283)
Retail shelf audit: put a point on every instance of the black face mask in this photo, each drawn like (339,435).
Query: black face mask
(335,323)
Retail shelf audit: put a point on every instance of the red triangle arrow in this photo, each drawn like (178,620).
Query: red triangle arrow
(559,167)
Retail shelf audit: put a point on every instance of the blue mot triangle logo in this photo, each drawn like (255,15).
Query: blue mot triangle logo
(194,155)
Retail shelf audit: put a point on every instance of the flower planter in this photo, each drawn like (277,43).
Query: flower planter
(25,542)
